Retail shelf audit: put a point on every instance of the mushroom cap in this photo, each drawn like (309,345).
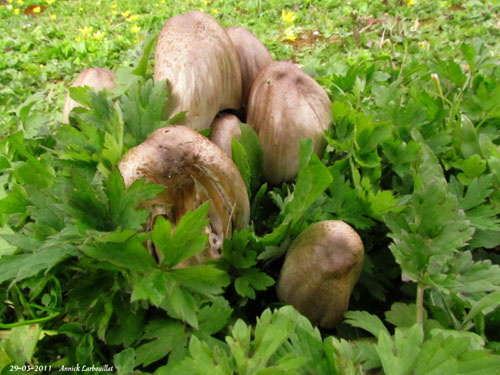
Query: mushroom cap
(96,78)
(195,54)
(321,268)
(285,106)
(253,56)
(224,128)
(193,170)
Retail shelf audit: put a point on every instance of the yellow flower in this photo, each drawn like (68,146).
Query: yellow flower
(77,39)
(114,6)
(133,17)
(86,30)
(10,1)
(16,11)
(215,11)
(50,1)
(288,17)
(410,3)
(20,2)
(53,16)
(37,10)
(98,35)
(135,29)
(290,33)
(114,12)
(126,13)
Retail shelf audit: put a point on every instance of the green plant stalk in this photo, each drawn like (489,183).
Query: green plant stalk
(28,322)
(420,303)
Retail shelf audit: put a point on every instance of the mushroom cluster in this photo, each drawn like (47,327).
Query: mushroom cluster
(210,69)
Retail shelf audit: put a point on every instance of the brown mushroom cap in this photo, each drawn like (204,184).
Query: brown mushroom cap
(197,57)
(96,78)
(285,106)
(321,268)
(193,170)
(224,128)
(253,56)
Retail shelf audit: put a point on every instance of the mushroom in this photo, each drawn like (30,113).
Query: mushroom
(192,170)
(321,268)
(285,106)
(253,56)
(96,78)
(196,56)
(224,128)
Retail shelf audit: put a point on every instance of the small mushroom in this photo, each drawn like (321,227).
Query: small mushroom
(96,78)
(321,268)
(196,56)
(192,170)
(285,106)
(253,56)
(224,128)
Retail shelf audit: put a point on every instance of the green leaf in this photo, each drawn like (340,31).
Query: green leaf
(240,158)
(22,266)
(142,63)
(474,341)
(184,306)
(131,255)
(366,321)
(124,362)
(478,363)
(80,95)
(312,180)
(488,302)
(215,316)
(15,202)
(22,342)
(251,280)
(188,238)
(123,203)
(206,279)
(165,335)
(143,106)
(155,286)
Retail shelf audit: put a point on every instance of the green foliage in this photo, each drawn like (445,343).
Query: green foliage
(412,163)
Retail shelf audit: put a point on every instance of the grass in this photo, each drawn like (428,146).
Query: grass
(43,52)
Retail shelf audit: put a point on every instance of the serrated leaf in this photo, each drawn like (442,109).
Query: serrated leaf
(154,286)
(312,180)
(214,316)
(366,321)
(131,255)
(188,238)
(206,280)
(22,266)
(252,279)
(124,362)
(184,306)
(123,203)
(167,336)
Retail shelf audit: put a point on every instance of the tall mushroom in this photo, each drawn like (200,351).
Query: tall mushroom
(253,56)
(194,53)
(193,170)
(285,106)
(96,78)
(321,268)
(224,128)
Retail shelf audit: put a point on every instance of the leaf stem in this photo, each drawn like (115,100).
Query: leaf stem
(420,303)
(28,322)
